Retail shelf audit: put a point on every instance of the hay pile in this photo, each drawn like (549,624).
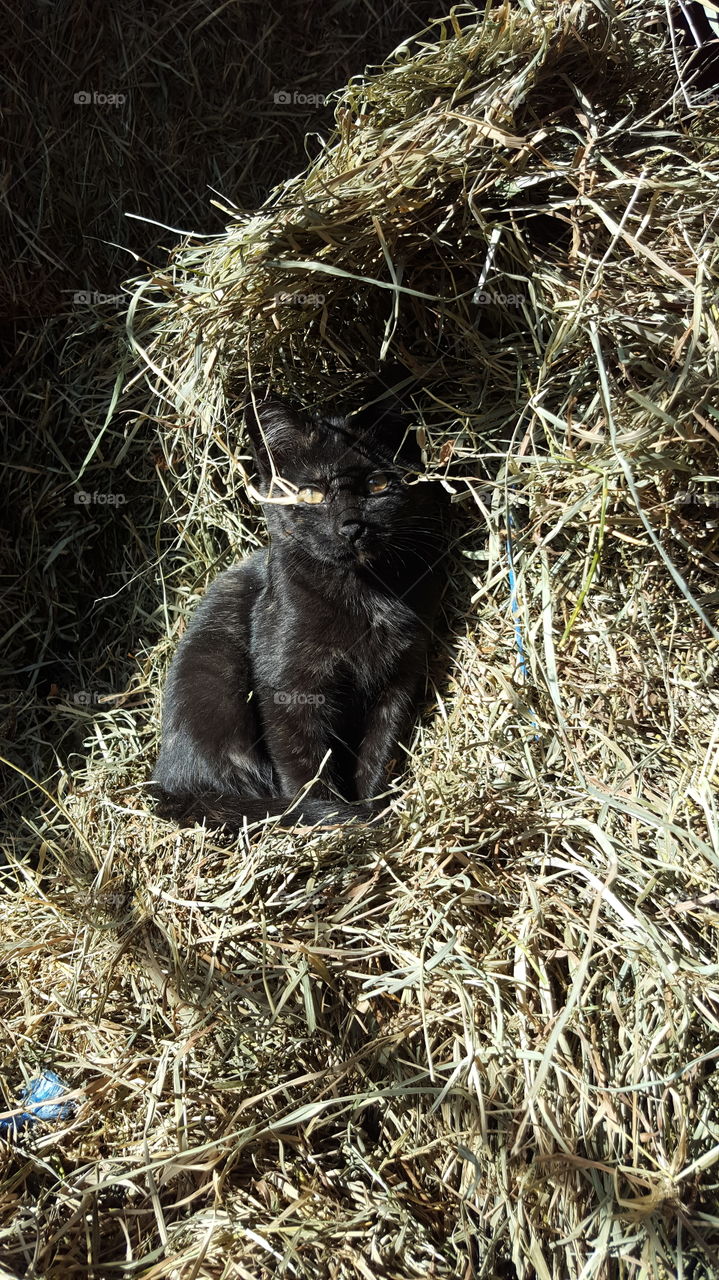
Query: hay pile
(481,1042)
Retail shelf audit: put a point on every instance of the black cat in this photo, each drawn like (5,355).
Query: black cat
(306,659)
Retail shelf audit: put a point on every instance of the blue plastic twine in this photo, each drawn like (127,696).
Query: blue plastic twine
(42,1089)
(518,634)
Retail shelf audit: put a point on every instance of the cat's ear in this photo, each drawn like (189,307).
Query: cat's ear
(397,417)
(274,430)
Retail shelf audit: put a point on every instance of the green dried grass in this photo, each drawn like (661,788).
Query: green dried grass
(482,1041)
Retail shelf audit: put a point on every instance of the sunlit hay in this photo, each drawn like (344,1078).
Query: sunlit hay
(480,1041)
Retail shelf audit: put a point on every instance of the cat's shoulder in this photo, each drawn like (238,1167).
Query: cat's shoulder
(235,590)
(248,573)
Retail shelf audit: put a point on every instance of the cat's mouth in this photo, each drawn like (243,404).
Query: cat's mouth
(355,555)
(366,550)
(362,552)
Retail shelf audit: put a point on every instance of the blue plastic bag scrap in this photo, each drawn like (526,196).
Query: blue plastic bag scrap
(41,1090)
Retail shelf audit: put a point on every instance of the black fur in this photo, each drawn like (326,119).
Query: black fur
(316,644)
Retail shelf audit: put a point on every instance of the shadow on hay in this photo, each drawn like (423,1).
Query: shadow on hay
(197,106)
(88,672)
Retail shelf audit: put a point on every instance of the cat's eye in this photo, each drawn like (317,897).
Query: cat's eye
(310,494)
(378,483)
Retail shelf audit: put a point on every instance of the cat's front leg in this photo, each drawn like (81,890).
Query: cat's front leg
(389,722)
(299,732)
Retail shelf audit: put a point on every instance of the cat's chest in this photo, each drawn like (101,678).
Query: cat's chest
(329,639)
(365,651)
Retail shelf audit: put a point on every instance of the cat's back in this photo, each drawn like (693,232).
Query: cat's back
(230,599)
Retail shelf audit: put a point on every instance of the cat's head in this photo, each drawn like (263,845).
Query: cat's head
(342,481)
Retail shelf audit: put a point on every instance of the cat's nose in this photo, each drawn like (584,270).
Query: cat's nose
(351,530)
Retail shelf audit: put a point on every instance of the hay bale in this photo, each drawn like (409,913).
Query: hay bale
(480,1041)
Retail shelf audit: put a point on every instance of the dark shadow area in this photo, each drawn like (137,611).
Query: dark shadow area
(155,113)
